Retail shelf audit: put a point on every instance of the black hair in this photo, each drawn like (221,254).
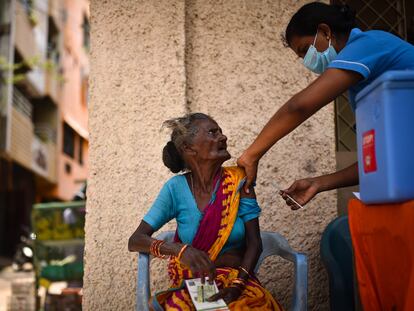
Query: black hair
(183,130)
(339,18)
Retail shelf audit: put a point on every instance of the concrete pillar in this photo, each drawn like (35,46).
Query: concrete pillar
(137,81)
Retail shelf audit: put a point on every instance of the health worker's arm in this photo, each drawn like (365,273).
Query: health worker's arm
(332,83)
(304,190)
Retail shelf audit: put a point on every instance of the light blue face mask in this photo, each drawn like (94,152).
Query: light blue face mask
(318,61)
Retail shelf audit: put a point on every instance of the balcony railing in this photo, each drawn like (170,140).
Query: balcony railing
(22,104)
(45,131)
(37,154)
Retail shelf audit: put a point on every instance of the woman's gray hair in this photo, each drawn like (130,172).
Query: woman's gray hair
(183,130)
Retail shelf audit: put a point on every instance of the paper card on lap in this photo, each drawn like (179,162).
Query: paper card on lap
(200,293)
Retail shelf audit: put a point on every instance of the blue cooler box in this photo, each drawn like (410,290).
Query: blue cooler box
(385,138)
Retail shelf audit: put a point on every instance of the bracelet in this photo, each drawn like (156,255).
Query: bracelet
(239,283)
(244,270)
(180,253)
(155,249)
(158,251)
(152,247)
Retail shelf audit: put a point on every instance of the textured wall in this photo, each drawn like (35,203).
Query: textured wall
(236,69)
(137,81)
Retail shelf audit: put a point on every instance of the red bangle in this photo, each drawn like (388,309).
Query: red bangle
(180,253)
(244,270)
(239,283)
(155,249)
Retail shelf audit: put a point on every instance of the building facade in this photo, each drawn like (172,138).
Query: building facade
(43,107)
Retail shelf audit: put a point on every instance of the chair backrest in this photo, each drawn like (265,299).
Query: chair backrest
(274,244)
(336,253)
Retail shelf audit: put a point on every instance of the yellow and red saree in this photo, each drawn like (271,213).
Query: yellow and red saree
(213,232)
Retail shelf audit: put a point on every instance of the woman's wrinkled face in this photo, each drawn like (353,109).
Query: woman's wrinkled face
(209,142)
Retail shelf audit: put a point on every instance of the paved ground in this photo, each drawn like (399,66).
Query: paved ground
(9,277)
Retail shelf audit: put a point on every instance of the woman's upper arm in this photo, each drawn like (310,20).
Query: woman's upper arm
(328,86)
(248,209)
(162,210)
(144,228)
(252,229)
(244,194)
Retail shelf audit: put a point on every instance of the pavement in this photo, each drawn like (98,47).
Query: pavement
(16,289)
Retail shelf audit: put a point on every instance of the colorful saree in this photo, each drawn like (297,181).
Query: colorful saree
(213,232)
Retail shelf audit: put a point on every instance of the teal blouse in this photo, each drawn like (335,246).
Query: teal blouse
(176,201)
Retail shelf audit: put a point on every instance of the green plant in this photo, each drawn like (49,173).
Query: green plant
(33,62)
(31,13)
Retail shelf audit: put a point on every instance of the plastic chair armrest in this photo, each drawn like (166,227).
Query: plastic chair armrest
(300,291)
(143,283)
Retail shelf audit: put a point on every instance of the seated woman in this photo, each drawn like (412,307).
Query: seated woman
(218,231)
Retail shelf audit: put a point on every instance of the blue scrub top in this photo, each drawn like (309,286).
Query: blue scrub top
(371,53)
(176,201)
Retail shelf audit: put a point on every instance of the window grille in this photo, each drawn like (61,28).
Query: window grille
(388,15)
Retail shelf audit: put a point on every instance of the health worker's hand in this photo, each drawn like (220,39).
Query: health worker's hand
(250,167)
(228,294)
(199,263)
(302,191)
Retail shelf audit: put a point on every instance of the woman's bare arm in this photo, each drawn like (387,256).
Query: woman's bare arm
(253,247)
(198,261)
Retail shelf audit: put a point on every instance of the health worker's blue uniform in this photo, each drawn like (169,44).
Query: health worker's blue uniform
(371,53)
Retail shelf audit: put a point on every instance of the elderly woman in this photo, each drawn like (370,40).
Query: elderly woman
(218,233)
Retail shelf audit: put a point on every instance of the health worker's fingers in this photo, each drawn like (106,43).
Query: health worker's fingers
(291,189)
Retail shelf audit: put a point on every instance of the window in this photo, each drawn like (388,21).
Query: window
(68,141)
(86,29)
(53,43)
(80,150)
(389,15)
(85,92)
(84,87)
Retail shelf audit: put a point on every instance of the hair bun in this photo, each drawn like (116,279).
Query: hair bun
(172,158)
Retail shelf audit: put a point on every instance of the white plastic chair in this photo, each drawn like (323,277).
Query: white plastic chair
(273,244)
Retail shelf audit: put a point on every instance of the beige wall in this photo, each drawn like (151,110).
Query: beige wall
(153,60)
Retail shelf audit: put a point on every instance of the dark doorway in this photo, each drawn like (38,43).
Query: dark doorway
(17,195)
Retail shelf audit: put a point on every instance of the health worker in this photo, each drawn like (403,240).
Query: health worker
(346,59)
